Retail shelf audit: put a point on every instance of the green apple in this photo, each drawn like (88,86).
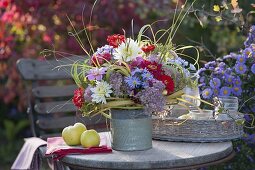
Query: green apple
(90,138)
(72,134)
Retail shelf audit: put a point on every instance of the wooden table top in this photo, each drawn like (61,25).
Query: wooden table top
(163,155)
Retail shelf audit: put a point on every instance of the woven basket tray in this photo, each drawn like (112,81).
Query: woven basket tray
(171,128)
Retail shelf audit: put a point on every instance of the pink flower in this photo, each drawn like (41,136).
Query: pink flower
(96,73)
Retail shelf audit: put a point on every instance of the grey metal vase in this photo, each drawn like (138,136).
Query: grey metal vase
(131,130)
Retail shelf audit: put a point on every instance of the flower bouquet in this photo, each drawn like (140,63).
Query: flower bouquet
(129,79)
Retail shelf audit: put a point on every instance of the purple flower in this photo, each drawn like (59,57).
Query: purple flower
(247,117)
(237,81)
(225,91)
(229,78)
(253,68)
(215,83)
(207,93)
(152,99)
(105,49)
(202,79)
(248,52)
(241,58)
(222,64)
(240,68)
(87,94)
(146,75)
(96,73)
(133,81)
(116,81)
(201,70)
(237,90)
(210,64)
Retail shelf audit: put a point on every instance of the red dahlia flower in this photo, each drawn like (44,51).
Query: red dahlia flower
(78,98)
(115,40)
(148,48)
(168,82)
(153,67)
(100,59)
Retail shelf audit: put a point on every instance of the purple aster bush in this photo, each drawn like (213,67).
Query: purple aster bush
(233,75)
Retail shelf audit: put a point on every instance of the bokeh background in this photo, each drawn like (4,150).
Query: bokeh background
(27,27)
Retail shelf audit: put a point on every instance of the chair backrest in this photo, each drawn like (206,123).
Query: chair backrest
(49,91)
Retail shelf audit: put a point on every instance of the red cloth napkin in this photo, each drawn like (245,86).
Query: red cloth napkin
(57,147)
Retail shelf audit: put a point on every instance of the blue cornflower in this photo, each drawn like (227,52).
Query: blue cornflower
(215,83)
(237,90)
(241,58)
(133,81)
(240,68)
(146,75)
(137,70)
(207,93)
(237,81)
(253,68)
(225,91)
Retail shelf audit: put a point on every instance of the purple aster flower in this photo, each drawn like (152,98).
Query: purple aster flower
(222,64)
(96,73)
(237,90)
(241,58)
(201,70)
(237,81)
(215,83)
(210,64)
(225,91)
(247,117)
(207,93)
(216,92)
(240,68)
(133,81)
(253,68)
(248,52)
(229,78)
(202,79)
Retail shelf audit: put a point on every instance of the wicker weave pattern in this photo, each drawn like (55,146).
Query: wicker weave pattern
(174,129)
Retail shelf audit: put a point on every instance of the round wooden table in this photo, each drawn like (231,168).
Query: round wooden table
(163,155)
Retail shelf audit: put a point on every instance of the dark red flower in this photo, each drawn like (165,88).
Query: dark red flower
(148,48)
(168,82)
(153,67)
(100,59)
(78,98)
(115,40)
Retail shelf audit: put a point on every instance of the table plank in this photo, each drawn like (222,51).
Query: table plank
(163,155)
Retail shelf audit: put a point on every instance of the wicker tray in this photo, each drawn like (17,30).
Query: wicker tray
(171,128)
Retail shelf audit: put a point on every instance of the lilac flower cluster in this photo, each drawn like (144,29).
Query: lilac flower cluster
(116,80)
(152,98)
